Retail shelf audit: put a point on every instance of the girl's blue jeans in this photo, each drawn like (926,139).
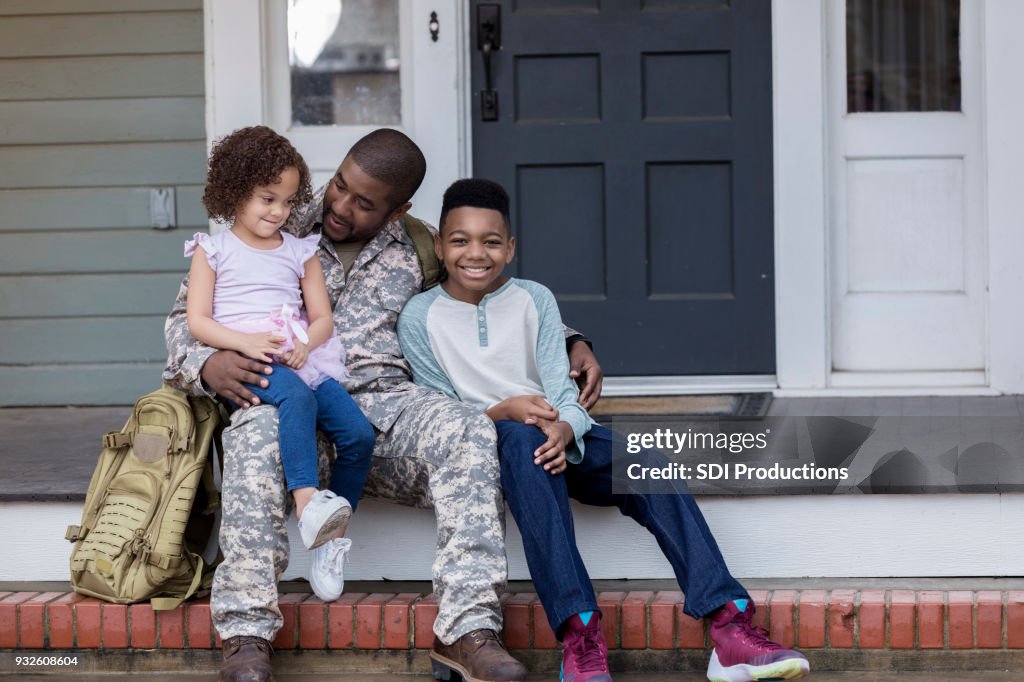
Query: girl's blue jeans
(300,412)
(540,505)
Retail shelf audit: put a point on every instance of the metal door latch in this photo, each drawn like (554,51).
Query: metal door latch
(488,40)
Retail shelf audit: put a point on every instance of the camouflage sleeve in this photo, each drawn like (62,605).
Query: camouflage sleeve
(572,336)
(185,355)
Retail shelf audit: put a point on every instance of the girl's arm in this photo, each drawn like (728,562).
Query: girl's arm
(318,305)
(199,311)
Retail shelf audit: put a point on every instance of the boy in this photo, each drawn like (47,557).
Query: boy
(496,343)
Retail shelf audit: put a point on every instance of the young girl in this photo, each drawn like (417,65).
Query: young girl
(258,290)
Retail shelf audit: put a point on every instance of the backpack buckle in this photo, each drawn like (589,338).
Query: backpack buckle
(116,439)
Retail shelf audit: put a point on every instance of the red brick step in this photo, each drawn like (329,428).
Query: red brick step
(836,620)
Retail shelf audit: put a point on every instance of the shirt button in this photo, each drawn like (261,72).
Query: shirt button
(483,330)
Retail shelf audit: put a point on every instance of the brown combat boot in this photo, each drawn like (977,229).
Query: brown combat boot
(246,659)
(478,657)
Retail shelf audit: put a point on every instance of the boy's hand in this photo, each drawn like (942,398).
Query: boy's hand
(297,356)
(552,453)
(261,346)
(525,409)
(583,368)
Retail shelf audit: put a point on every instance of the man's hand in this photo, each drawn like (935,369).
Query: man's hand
(524,409)
(584,369)
(297,356)
(225,372)
(552,453)
(260,346)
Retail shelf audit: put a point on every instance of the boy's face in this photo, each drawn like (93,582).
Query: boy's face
(357,206)
(475,247)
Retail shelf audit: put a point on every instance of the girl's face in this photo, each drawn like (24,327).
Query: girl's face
(261,215)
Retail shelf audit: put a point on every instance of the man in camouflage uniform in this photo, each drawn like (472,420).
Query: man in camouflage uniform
(431,451)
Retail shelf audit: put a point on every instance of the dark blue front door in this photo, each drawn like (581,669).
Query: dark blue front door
(635,139)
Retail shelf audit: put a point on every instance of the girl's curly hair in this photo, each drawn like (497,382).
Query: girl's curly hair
(244,160)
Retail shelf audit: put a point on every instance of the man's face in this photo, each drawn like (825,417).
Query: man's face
(357,206)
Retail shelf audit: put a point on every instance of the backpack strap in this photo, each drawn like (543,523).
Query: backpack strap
(170,603)
(423,241)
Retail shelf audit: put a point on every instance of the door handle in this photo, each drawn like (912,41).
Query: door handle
(488,39)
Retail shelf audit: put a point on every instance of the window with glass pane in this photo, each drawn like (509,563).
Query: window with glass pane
(903,55)
(343,57)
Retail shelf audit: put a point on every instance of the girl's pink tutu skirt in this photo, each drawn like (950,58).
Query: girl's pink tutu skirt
(326,361)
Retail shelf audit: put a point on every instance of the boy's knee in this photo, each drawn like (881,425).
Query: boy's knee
(515,436)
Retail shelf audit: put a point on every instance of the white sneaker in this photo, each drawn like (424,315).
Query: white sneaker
(324,517)
(327,568)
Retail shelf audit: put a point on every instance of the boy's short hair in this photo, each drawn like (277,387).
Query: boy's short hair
(244,160)
(391,157)
(476,193)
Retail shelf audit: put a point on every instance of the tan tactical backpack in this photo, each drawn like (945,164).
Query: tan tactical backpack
(150,507)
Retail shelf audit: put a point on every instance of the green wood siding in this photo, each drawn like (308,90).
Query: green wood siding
(102,34)
(163,75)
(16,7)
(160,119)
(91,208)
(100,101)
(93,165)
(83,340)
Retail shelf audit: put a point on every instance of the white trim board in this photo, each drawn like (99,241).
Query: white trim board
(760,537)
(687,385)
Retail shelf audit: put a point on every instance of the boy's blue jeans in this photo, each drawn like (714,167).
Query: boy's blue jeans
(540,505)
(300,412)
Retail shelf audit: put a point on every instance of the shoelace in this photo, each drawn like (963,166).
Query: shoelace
(588,653)
(482,637)
(243,640)
(754,634)
(337,555)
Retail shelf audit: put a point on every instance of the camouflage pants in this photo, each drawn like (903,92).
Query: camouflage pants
(439,453)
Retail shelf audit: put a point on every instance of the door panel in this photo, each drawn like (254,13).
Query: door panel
(635,141)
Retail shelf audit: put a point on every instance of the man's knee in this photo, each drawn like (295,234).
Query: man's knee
(250,442)
(480,429)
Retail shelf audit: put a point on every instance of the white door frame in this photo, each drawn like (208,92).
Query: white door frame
(802,202)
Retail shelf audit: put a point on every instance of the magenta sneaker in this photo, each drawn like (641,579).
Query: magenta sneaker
(584,653)
(743,652)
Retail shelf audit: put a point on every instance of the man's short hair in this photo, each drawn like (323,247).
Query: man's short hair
(476,193)
(391,157)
